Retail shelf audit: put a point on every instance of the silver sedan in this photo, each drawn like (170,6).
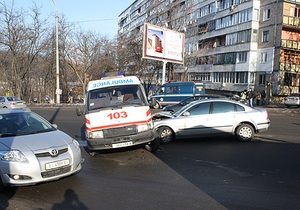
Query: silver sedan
(32,150)
(292,100)
(211,117)
(12,102)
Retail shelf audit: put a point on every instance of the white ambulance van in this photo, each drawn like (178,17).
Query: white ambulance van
(117,115)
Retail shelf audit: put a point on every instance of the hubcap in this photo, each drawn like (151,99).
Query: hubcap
(245,133)
(166,135)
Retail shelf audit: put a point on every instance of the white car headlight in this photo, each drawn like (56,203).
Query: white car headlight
(13,155)
(144,127)
(94,134)
(76,144)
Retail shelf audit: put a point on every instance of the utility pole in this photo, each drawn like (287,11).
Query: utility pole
(58,90)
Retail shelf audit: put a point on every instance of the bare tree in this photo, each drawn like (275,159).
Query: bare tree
(86,54)
(21,40)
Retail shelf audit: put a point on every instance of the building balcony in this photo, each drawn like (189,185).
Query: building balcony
(291,22)
(289,67)
(290,44)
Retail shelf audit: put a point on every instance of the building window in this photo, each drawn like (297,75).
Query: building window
(229,58)
(295,11)
(244,36)
(266,14)
(266,36)
(262,79)
(200,76)
(263,57)
(241,77)
(242,57)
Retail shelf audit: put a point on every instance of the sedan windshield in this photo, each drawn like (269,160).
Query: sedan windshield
(23,123)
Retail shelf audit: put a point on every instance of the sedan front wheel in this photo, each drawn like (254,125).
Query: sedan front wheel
(165,135)
(244,132)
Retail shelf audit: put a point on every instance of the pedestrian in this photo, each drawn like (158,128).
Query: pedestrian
(263,96)
(250,96)
(244,95)
(258,98)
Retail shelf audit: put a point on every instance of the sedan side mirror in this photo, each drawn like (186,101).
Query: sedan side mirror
(186,114)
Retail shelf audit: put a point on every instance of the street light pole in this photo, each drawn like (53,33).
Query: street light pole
(58,91)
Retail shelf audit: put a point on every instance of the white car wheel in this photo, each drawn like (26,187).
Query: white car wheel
(166,135)
(245,132)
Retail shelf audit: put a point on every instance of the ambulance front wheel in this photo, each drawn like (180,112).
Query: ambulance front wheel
(153,146)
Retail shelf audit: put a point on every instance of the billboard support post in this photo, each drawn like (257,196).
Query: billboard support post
(163,80)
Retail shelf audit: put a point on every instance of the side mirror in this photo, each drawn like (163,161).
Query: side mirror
(79,112)
(186,114)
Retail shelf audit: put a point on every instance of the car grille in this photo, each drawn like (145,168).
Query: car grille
(121,131)
(56,172)
(47,154)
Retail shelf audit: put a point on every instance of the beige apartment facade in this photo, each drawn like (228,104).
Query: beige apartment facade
(230,45)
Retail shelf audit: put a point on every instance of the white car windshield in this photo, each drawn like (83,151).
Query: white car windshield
(23,123)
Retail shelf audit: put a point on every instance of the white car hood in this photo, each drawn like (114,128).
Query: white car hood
(35,141)
(163,114)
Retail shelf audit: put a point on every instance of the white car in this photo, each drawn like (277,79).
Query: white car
(211,117)
(32,150)
(12,102)
(292,100)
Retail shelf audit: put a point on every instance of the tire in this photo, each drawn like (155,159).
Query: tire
(244,133)
(153,146)
(166,135)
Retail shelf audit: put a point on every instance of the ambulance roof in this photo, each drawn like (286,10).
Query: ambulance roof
(113,81)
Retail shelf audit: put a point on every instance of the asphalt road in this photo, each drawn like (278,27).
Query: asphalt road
(208,173)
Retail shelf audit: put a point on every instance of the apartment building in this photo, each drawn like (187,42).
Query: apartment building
(230,45)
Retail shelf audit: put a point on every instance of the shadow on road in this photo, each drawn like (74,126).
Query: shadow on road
(230,171)
(5,195)
(71,201)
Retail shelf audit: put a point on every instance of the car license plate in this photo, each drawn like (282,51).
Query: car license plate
(57,164)
(123,144)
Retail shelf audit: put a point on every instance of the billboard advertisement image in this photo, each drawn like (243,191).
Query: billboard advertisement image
(163,44)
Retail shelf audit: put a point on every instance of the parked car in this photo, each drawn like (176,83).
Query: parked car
(12,102)
(211,117)
(176,107)
(32,150)
(292,100)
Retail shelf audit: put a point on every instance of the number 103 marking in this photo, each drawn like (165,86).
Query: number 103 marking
(117,115)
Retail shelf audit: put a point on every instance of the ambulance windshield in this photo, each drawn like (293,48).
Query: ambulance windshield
(116,96)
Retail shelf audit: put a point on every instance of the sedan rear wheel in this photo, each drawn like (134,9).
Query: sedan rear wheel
(165,135)
(244,132)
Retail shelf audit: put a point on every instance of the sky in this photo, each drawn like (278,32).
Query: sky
(100,16)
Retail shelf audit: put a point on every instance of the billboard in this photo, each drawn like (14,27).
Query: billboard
(163,44)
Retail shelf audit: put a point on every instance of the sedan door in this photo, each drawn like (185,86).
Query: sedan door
(196,122)
(222,118)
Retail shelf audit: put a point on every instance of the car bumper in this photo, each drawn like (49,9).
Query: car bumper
(263,127)
(122,141)
(291,103)
(32,172)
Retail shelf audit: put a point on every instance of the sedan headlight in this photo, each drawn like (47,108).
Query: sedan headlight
(13,155)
